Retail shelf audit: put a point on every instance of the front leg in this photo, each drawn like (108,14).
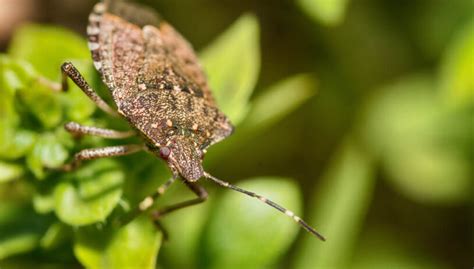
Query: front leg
(200,192)
(148,202)
(95,153)
(79,130)
(69,70)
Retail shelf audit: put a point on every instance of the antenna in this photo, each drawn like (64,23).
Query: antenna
(278,207)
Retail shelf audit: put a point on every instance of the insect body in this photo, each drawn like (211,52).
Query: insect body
(159,87)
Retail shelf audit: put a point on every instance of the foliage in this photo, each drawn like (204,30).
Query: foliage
(344,197)
(327,12)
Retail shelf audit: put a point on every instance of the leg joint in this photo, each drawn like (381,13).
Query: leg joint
(67,66)
(203,195)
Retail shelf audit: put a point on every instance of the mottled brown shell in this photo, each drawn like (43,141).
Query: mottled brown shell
(157,83)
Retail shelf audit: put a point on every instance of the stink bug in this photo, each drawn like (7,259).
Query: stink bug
(159,87)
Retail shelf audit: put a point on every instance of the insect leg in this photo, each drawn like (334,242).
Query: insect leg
(148,202)
(197,189)
(78,130)
(163,229)
(69,70)
(269,202)
(95,153)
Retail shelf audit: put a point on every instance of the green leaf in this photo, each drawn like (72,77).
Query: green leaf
(446,175)
(457,68)
(15,74)
(135,245)
(43,198)
(339,207)
(286,95)
(20,229)
(424,155)
(185,228)
(9,119)
(144,175)
(435,23)
(43,102)
(245,233)
(19,143)
(6,135)
(20,243)
(233,64)
(9,80)
(89,194)
(330,13)
(47,152)
(57,234)
(43,203)
(47,47)
(10,171)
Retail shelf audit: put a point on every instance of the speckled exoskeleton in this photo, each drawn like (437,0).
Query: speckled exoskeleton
(159,87)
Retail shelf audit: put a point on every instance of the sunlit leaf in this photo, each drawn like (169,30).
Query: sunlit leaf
(255,234)
(15,73)
(9,119)
(232,63)
(339,209)
(43,198)
(135,245)
(43,203)
(285,95)
(43,103)
(9,80)
(20,144)
(47,47)
(445,174)
(47,152)
(17,244)
(57,234)
(89,194)
(421,142)
(10,171)
(325,11)
(457,73)
(6,136)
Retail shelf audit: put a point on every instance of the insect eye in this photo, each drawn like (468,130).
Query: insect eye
(165,152)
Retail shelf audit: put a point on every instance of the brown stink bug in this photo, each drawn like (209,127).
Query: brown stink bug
(159,87)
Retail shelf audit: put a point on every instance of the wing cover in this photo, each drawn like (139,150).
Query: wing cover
(154,75)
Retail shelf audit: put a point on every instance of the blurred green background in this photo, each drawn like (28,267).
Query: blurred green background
(358,114)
